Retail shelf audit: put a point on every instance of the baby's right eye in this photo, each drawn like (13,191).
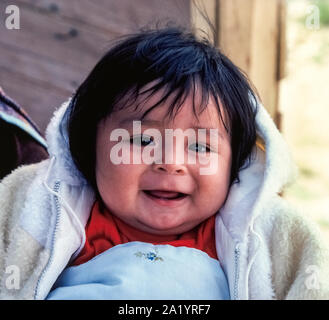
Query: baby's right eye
(141,140)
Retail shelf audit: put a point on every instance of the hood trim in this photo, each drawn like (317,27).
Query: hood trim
(266,175)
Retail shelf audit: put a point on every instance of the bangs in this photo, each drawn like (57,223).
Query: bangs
(173,95)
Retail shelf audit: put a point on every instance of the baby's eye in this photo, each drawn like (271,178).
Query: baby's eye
(199,148)
(141,140)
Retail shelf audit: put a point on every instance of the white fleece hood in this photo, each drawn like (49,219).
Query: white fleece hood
(267,173)
(266,176)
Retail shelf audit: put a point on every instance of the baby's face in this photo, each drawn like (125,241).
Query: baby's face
(160,197)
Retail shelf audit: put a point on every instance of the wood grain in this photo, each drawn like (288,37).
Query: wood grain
(60,41)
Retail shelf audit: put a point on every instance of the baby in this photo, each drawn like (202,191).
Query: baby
(163,183)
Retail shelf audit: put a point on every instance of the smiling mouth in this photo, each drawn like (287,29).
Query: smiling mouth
(165,195)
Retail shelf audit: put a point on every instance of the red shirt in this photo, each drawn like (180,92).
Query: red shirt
(104,230)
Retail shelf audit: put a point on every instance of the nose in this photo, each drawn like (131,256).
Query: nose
(172,158)
(175,169)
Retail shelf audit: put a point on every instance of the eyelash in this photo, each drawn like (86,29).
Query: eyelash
(208,149)
(140,136)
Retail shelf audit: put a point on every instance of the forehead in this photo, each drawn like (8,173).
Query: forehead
(205,116)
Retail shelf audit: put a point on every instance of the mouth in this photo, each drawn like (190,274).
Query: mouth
(165,197)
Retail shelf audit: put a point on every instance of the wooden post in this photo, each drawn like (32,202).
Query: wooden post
(201,12)
(252,34)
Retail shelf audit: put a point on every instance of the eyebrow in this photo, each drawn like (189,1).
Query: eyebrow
(148,122)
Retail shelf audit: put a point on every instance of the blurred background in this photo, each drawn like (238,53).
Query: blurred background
(282,45)
(304,104)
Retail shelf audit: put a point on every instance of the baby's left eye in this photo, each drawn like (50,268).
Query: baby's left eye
(199,147)
(142,140)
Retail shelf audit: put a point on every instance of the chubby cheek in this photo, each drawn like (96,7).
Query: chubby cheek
(212,194)
(116,183)
(213,189)
(118,186)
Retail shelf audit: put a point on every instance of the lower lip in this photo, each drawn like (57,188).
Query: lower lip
(166,202)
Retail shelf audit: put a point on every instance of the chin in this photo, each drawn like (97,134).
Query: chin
(165,228)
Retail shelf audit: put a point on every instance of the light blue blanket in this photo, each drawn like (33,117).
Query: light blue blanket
(139,270)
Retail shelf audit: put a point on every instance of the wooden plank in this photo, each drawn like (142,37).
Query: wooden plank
(249,36)
(281,55)
(235,30)
(36,98)
(60,42)
(204,18)
(88,13)
(124,15)
(282,41)
(264,52)
(37,67)
(51,37)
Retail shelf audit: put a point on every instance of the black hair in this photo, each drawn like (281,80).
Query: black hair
(175,60)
